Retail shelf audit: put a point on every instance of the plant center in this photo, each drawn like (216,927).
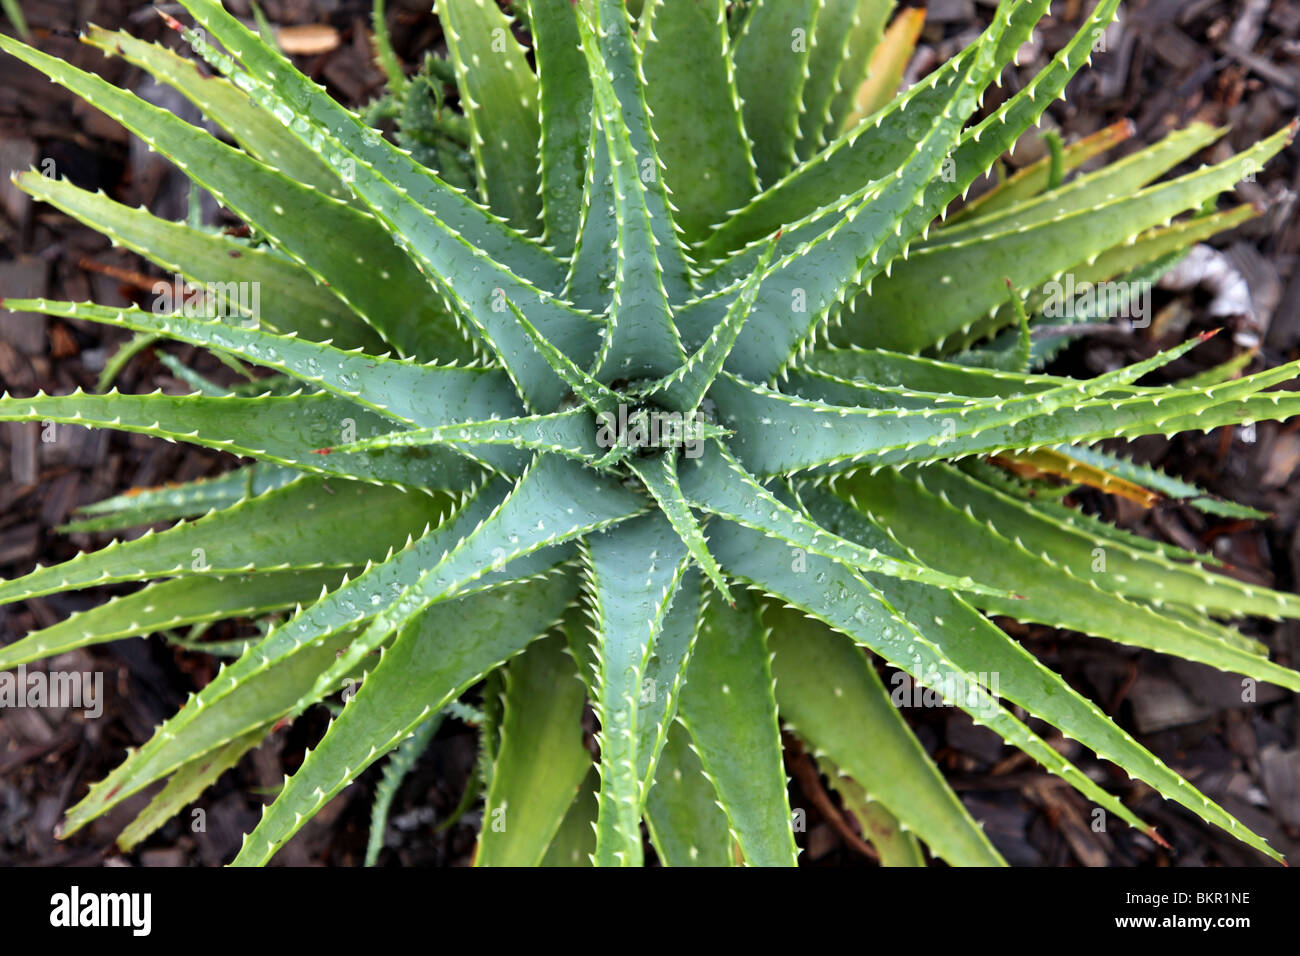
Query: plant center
(646,428)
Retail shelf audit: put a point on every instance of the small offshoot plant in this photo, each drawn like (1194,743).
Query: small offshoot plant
(647,370)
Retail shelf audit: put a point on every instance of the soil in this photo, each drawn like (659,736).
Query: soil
(1231,63)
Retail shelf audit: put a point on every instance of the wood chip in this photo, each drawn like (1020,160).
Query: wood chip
(22,452)
(23,278)
(1283,459)
(310,39)
(1066,817)
(59,498)
(1159,703)
(16,156)
(1249,21)
(1281,773)
(18,544)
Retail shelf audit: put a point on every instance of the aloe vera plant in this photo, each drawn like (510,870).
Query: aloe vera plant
(654,378)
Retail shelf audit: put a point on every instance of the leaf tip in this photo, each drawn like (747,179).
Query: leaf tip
(170,20)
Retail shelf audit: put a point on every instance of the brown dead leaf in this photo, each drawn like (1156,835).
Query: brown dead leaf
(1046,462)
